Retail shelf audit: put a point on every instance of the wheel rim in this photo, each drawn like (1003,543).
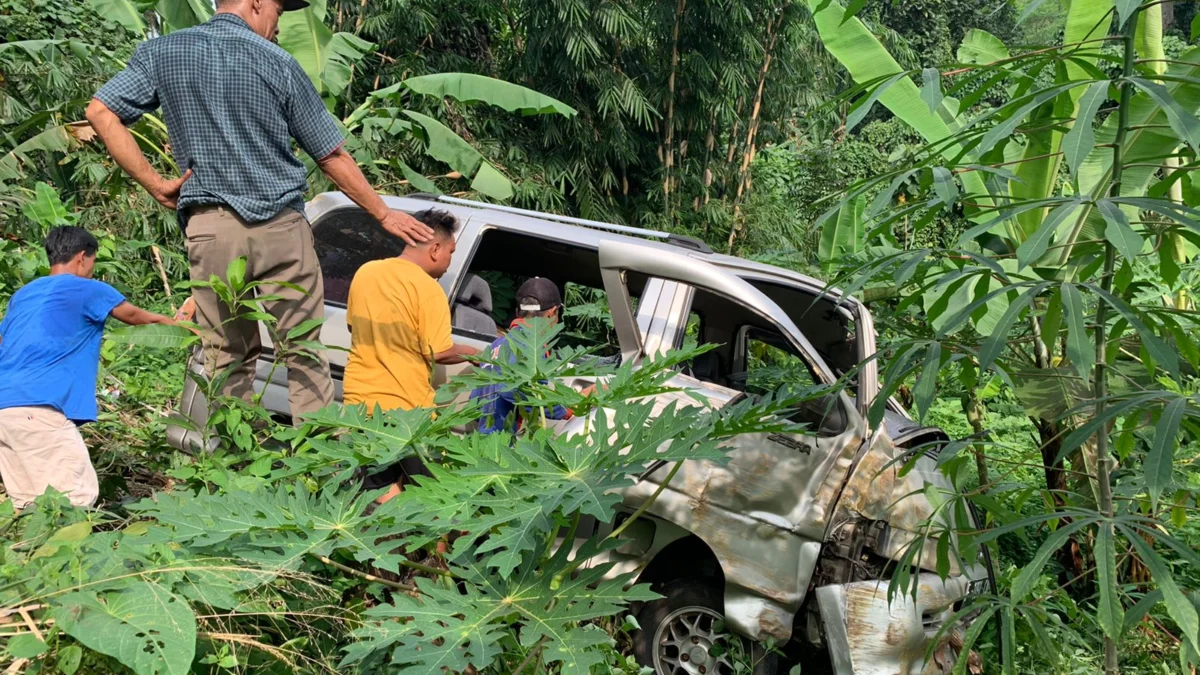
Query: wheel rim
(682,643)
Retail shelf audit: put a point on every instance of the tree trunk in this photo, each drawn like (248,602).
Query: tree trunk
(668,144)
(752,130)
(710,142)
(1070,556)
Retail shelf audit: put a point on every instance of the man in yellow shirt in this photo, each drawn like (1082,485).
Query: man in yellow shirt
(399,321)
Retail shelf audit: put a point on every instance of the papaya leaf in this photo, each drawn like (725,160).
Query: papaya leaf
(144,626)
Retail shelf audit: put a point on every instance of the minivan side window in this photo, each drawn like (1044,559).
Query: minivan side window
(753,356)
(767,365)
(484,299)
(345,240)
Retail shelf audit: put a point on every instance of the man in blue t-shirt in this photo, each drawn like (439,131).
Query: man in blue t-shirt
(49,356)
(537,297)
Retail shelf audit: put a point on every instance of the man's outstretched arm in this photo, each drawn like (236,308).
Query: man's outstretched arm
(125,151)
(456,354)
(129,313)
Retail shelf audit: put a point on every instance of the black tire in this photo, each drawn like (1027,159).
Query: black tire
(687,601)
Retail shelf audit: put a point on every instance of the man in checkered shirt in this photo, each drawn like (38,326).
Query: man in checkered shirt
(233,101)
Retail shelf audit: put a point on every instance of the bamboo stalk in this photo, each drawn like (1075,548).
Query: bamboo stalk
(162,273)
(668,144)
(748,151)
(710,142)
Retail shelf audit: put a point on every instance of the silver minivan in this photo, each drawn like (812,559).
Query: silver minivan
(791,542)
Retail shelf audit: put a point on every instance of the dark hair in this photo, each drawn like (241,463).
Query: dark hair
(444,224)
(64,243)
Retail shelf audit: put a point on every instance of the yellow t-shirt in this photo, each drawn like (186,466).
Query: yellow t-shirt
(399,318)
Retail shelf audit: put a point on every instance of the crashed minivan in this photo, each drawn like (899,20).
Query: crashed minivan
(790,542)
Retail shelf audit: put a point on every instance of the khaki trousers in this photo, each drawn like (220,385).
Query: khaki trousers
(276,250)
(40,448)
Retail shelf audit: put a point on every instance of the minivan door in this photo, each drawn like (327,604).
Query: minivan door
(785,484)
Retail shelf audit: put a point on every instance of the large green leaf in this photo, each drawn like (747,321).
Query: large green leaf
(47,208)
(1160,461)
(53,139)
(444,145)
(145,627)
(868,61)
(489,181)
(468,88)
(180,14)
(345,50)
(325,56)
(124,12)
(842,236)
(154,335)
(981,47)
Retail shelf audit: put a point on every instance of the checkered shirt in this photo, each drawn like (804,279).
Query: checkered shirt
(232,102)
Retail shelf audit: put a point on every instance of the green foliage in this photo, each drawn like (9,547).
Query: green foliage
(327,57)
(251,523)
(1069,331)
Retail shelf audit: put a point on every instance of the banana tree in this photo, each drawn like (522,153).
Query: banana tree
(327,57)
(385,114)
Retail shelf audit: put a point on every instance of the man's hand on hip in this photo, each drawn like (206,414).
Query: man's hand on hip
(166,192)
(406,227)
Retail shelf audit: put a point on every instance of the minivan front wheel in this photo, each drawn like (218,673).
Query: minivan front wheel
(683,633)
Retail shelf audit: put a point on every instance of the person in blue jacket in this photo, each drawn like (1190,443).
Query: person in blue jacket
(537,297)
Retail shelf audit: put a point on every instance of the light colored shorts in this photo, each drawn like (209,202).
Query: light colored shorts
(40,448)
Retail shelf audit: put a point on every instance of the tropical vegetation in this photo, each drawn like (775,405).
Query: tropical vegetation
(1009,186)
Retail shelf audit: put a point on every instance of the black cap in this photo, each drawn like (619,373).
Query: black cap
(292,5)
(541,289)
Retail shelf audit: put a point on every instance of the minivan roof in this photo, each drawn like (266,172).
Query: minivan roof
(550,226)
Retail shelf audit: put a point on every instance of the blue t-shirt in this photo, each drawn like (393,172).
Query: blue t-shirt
(50,344)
